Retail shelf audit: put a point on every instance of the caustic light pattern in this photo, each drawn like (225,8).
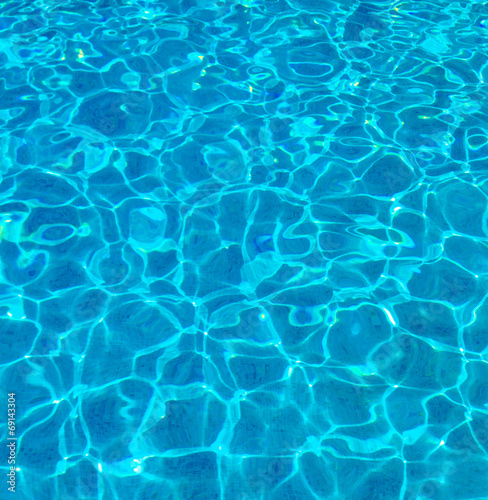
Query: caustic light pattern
(244,249)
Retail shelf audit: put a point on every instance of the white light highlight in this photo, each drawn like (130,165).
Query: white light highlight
(390,317)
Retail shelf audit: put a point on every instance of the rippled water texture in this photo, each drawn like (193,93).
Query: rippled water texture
(244,249)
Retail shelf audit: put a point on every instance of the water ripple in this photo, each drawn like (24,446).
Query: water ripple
(244,248)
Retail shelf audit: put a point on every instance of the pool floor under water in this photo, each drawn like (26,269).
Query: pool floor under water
(244,249)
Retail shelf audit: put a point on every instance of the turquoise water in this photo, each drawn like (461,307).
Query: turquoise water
(244,249)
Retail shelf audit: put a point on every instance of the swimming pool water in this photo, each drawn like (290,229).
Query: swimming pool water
(244,249)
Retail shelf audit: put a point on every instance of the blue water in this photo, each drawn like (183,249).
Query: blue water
(244,249)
